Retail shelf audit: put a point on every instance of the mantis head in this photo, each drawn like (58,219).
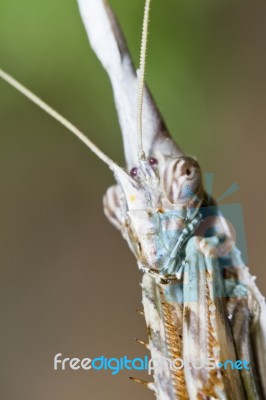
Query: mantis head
(153,204)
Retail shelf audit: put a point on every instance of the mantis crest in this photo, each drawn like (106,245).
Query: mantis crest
(161,208)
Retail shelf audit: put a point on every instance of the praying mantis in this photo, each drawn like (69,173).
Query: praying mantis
(159,206)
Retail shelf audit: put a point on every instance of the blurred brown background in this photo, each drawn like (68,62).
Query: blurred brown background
(68,282)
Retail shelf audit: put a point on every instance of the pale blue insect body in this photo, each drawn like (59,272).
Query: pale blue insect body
(181,253)
(176,241)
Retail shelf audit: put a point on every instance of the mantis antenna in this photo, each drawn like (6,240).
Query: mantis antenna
(142,68)
(63,121)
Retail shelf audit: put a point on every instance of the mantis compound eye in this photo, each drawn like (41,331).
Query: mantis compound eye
(182,180)
(134,172)
(153,162)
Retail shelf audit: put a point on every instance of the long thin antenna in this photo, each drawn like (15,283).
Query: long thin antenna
(143,57)
(49,110)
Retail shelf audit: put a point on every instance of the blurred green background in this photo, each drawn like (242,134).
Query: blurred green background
(68,282)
